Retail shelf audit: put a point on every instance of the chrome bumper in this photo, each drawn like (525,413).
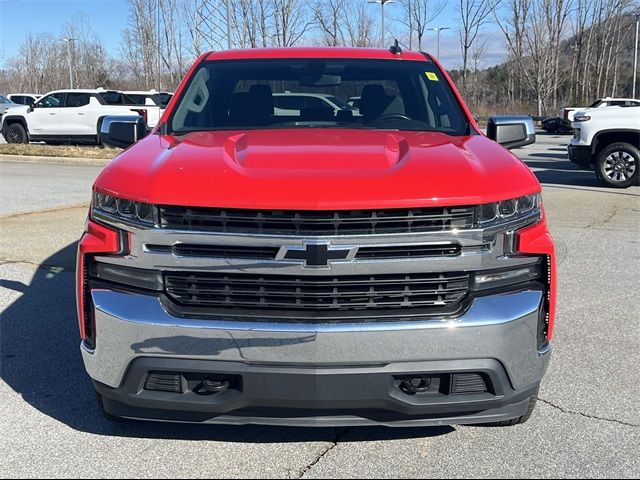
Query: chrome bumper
(501,327)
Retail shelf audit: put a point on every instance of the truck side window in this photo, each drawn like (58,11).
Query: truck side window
(54,100)
(75,99)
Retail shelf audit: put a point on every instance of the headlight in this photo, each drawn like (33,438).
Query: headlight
(509,210)
(125,210)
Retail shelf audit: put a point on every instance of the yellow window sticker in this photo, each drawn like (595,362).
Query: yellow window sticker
(432,76)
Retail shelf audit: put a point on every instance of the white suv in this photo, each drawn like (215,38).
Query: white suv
(67,116)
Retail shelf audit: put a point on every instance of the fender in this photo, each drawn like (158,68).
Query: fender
(596,137)
(9,119)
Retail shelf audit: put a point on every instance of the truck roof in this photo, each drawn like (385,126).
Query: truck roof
(81,90)
(315,52)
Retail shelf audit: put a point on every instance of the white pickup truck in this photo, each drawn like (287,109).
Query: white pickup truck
(568,113)
(151,98)
(608,140)
(65,116)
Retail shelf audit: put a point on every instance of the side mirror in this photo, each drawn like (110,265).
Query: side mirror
(511,131)
(122,131)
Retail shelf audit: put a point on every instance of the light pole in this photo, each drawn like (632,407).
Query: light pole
(68,42)
(635,58)
(382,4)
(438,30)
(229,24)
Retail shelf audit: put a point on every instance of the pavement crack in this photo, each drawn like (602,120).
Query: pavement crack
(62,268)
(45,210)
(332,445)
(590,417)
(610,217)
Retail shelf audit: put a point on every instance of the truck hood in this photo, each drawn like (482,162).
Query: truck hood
(316,169)
(13,108)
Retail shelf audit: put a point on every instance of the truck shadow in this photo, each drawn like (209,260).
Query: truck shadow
(40,360)
(555,169)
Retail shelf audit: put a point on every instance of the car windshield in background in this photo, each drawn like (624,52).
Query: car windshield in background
(313,93)
(137,99)
(115,98)
(4,99)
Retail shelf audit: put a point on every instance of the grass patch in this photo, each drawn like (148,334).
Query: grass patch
(67,151)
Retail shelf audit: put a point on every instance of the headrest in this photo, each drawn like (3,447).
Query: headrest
(241,106)
(262,95)
(374,101)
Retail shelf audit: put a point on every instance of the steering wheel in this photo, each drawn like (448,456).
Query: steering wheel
(392,116)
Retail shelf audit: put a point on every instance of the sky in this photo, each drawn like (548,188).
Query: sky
(108,17)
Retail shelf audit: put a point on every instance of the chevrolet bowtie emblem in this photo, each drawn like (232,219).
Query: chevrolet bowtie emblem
(317,255)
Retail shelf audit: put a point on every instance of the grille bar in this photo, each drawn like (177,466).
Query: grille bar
(316,222)
(316,293)
(216,251)
(409,251)
(270,253)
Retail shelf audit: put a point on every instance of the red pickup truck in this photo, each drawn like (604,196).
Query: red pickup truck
(388,264)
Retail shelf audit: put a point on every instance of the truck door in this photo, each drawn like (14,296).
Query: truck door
(43,119)
(77,117)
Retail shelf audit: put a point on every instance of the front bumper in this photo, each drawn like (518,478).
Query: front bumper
(580,154)
(318,374)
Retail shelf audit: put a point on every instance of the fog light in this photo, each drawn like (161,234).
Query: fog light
(164,382)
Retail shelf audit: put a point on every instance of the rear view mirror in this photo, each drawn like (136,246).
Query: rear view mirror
(321,81)
(122,131)
(511,131)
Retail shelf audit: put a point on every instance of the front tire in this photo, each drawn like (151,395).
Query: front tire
(16,133)
(618,165)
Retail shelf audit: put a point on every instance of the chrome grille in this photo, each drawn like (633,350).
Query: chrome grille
(319,293)
(314,223)
(269,253)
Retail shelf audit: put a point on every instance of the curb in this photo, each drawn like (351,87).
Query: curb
(97,162)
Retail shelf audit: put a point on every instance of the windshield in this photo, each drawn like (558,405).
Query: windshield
(313,93)
(4,99)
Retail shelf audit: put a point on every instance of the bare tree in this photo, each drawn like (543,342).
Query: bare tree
(473,15)
(140,41)
(291,21)
(417,15)
(360,25)
(329,15)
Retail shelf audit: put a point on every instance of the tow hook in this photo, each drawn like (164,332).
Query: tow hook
(415,385)
(209,386)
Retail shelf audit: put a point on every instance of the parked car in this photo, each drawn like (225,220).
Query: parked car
(64,116)
(555,125)
(569,112)
(24,98)
(240,266)
(6,104)
(608,140)
(150,98)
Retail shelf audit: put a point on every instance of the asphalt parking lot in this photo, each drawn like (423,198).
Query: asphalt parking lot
(587,423)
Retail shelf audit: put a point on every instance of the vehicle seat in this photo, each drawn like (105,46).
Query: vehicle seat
(241,108)
(262,98)
(252,107)
(375,103)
